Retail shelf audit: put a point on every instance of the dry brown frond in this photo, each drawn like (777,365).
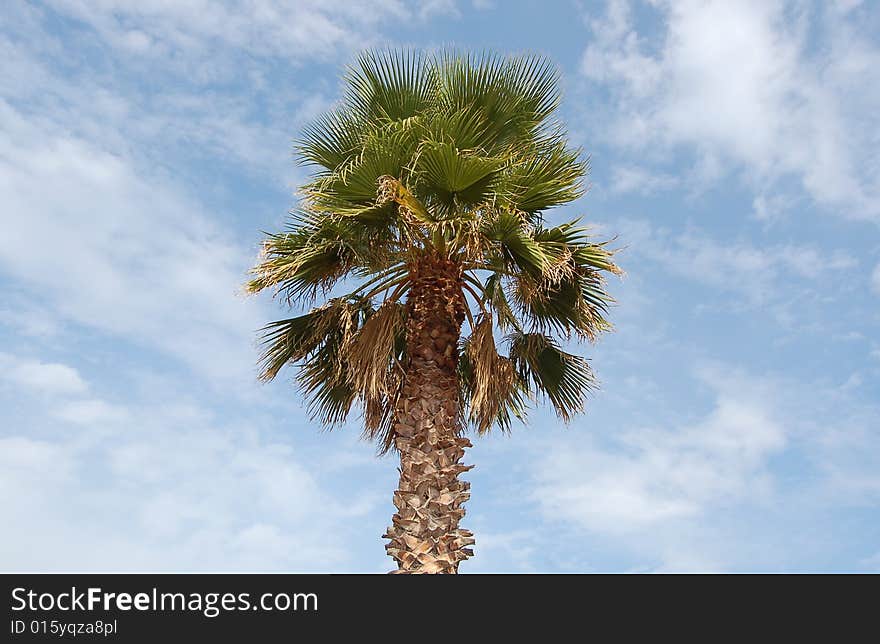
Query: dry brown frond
(559,268)
(392,189)
(369,351)
(494,377)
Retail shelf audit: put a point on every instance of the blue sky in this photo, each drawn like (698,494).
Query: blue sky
(734,145)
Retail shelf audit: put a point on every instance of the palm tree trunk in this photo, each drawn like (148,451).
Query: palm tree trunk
(424,535)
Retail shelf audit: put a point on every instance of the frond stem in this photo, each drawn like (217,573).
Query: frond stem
(384,286)
(391,272)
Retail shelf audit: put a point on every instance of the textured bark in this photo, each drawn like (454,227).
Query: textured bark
(424,535)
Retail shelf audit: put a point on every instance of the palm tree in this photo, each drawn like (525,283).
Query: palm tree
(426,208)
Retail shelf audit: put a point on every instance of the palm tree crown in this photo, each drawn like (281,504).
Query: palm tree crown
(434,167)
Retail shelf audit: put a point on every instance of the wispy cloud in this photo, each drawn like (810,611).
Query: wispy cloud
(197,491)
(755,271)
(661,474)
(642,180)
(46,377)
(739,85)
(91,412)
(196,30)
(872,563)
(685,496)
(120,251)
(429,8)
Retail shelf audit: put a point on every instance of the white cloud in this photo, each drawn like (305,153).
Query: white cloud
(769,208)
(875,279)
(616,53)
(718,492)
(186,120)
(170,490)
(64,387)
(46,377)
(91,412)
(758,273)
(429,8)
(741,85)
(23,457)
(28,319)
(166,483)
(113,248)
(197,29)
(101,222)
(872,562)
(221,98)
(502,551)
(642,180)
(658,475)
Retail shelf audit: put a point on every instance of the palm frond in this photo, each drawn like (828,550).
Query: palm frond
(291,340)
(564,378)
(507,233)
(536,81)
(496,298)
(371,353)
(513,94)
(317,252)
(576,305)
(351,187)
(392,190)
(569,295)
(455,179)
(317,343)
(389,85)
(331,141)
(542,178)
(464,128)
(495,389)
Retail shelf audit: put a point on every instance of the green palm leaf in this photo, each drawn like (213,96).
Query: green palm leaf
(564,378)
(455,179)
(391,85)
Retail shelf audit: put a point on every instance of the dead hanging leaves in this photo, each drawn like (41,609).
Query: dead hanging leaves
(368,352)
(374,369)
(494,377)
(392,190)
